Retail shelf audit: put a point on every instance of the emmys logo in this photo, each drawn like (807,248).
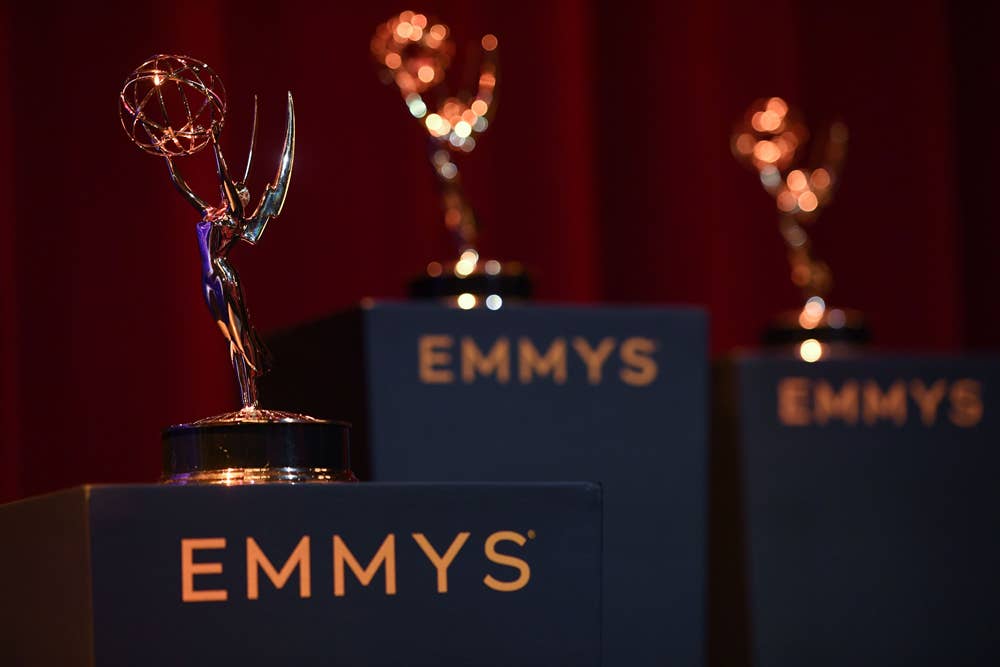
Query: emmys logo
(806,402)
(345,560)
(440,360)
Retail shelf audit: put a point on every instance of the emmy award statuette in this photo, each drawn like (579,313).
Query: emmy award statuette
(172,107)
(770,140)
(414,52)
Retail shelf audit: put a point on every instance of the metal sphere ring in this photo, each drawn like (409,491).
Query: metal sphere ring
(169,104)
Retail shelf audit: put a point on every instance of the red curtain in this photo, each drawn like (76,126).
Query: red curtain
(607,171)
(9,376)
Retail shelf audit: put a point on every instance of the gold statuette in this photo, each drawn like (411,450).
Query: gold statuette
(771,140)
(413,52)
(174,106)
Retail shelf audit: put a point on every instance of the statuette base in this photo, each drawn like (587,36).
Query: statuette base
(256,447)
(835,326)
(451,282)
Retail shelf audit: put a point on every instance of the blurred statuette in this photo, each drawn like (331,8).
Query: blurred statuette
(413,52)
(173,107)
(771,140)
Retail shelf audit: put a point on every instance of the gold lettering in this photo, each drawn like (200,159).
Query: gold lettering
(496,361)
(594,358)
(189,568)
(386,555)
(531,362)
(257,560)
(836,405)
(434,352)
(793,401)
(890,405)
(636,354)
(510,561)
(928,400)
(966,403)
(441,563)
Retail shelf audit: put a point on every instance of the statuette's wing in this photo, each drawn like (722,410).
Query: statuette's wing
(274,194)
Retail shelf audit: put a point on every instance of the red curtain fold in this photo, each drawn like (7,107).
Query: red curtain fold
(10,469)
(977,145)
(607,171)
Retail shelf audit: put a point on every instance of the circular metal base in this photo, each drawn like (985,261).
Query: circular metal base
(260,447)
(239,476)
(847,326)
(511,283)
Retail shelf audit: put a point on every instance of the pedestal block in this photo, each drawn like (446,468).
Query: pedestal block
(318,574)
(614,395)
(871,505)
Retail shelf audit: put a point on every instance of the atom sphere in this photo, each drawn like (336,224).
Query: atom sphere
(169,105)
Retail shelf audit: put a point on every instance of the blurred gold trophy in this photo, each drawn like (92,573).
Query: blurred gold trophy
(770,139)
(414,52)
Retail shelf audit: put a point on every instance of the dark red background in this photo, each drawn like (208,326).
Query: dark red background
(607,171)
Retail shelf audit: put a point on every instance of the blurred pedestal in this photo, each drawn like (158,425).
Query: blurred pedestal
(536,392)
(870,498)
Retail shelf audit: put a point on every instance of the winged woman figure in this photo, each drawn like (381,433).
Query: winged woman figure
(219,230)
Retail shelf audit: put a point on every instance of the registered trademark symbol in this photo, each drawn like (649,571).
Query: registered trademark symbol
(531,534)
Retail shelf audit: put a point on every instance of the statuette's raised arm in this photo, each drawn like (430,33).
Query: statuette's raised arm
(185,189)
